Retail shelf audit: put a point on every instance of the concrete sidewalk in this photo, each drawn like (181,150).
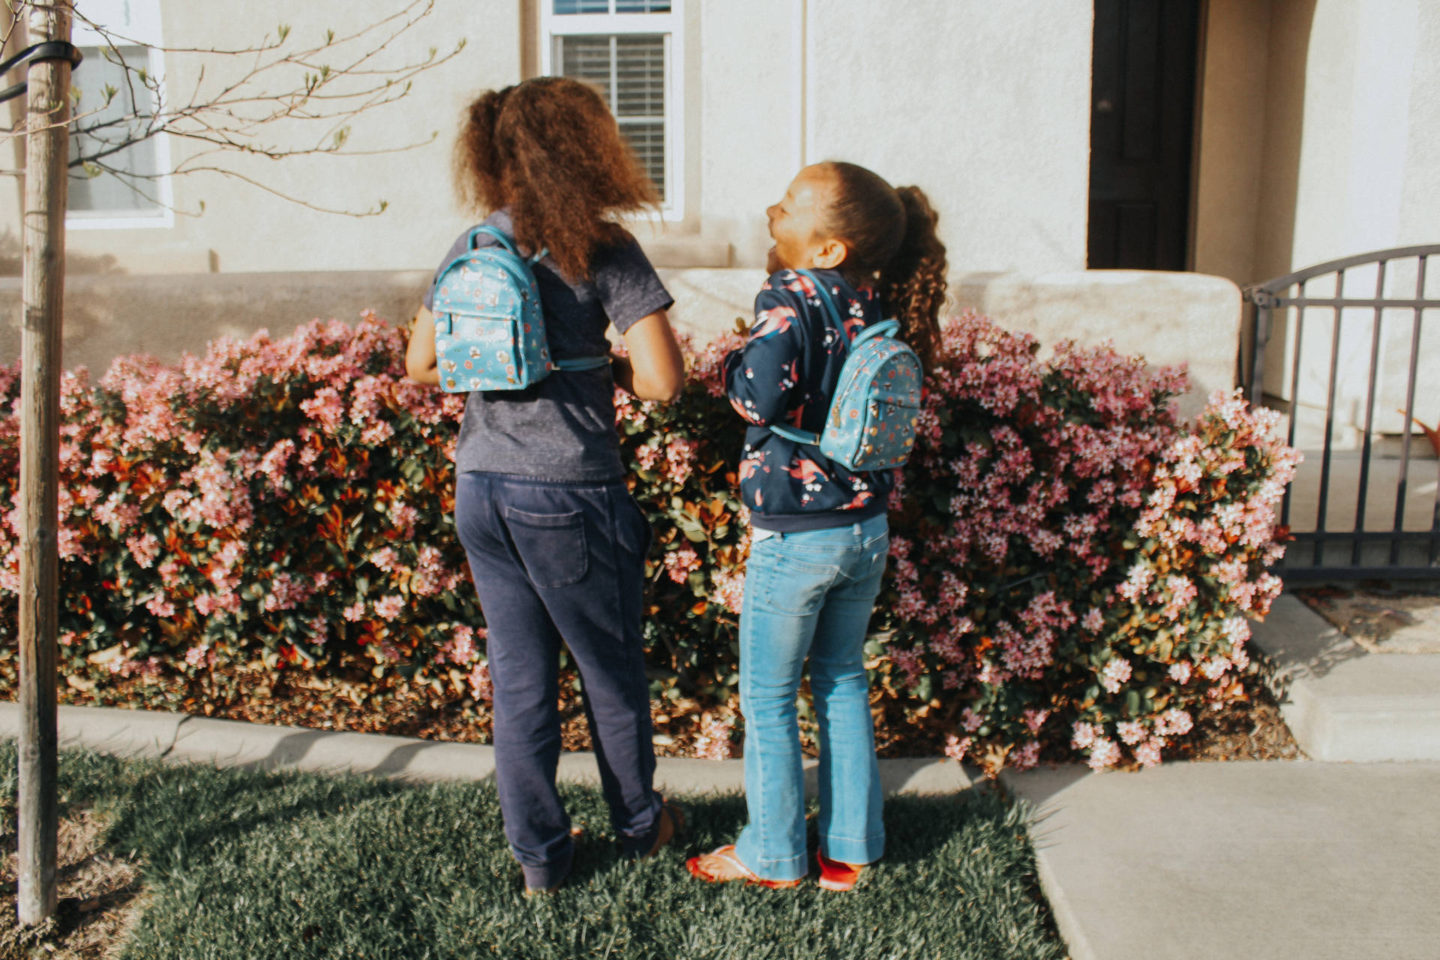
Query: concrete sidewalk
(1263,861)
(1297,860)
(1342,702)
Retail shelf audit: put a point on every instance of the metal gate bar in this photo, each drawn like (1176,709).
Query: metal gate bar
(1396,552)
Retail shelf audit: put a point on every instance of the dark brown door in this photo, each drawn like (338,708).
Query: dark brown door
(1141,118)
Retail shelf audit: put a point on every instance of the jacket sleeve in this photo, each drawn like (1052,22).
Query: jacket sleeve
(760,376)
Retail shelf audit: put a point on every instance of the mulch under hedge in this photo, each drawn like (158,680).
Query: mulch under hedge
(1247,729)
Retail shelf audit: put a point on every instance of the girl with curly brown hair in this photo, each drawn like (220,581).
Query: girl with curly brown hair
(819,537)
(555,541)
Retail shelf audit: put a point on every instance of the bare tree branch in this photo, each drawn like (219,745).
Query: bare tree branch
(278,98)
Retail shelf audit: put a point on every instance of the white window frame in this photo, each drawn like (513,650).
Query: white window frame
(138,21)
(672,26)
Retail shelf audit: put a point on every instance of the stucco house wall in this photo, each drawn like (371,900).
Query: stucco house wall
(1319,133)
(770,85)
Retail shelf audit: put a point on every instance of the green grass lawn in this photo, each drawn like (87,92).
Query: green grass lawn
(247,865)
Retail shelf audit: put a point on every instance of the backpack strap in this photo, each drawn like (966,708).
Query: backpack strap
(581,363)
(798,436)
(827,303)
(885,328)
(505,241)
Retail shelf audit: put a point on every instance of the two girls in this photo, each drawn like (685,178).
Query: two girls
(556,544)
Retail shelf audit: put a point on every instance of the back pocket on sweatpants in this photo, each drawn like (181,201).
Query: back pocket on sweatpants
(551,545)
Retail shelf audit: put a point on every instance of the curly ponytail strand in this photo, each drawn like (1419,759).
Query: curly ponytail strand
(477,162)
(892,243)
(913,283)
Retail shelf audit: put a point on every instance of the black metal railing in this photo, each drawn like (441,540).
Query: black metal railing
(1325,296)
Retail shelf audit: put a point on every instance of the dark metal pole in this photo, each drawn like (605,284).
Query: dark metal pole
(47,114)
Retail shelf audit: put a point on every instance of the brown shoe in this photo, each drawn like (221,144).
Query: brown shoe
(672,821)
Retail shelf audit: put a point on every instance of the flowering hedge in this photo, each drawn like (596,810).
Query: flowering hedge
(1069,561)
(1070,564)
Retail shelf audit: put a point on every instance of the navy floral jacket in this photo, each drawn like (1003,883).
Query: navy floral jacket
(786,374)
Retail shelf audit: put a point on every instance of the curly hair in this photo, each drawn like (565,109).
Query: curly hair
(893,245)
(550,151)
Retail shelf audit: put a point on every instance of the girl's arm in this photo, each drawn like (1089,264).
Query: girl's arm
(420,362)
(655,369)
(760,376)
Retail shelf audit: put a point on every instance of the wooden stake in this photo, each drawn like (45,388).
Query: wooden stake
(46,157)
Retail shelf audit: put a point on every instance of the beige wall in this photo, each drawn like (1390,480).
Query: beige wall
(984,105)
(1166,317)
(1230,137)
(1319,133)
(1319,139)
(245,229)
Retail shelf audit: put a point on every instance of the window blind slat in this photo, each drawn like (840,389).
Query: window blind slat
(629,72)
(570,7)
(640,76)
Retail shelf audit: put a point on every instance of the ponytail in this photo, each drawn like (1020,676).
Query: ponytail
(913,282)
(478,169)
(890,238)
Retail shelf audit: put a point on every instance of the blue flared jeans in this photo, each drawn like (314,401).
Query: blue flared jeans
(810,594)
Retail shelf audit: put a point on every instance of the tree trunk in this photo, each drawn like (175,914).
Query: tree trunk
(44,270)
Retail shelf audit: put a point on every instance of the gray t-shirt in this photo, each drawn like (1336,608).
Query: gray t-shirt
(562,428)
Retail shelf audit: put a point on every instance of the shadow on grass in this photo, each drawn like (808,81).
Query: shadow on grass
(243,864)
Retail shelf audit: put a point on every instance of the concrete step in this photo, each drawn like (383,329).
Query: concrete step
(1344,703)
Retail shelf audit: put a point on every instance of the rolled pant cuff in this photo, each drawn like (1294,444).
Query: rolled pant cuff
(854,851)
(783,869)
(548,875)
(635,847)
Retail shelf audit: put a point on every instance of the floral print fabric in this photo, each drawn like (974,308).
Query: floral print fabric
(786,373)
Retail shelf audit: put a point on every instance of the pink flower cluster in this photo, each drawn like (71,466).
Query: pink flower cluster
(225,500)
(1041,523)
(714,739)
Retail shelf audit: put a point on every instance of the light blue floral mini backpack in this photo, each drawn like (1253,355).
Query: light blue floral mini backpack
(876,404)
(489,328)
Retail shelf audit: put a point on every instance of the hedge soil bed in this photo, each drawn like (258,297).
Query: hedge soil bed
(1249,728)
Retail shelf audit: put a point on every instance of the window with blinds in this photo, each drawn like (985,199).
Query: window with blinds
(130,189)
(629,70)
(625,49)
(129,185)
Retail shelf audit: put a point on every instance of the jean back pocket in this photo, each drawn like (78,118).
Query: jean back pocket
(552,546)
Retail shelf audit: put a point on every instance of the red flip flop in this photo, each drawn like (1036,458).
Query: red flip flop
(838,875)
(724,866)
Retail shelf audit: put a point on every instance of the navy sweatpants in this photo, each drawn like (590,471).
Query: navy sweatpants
(552,563)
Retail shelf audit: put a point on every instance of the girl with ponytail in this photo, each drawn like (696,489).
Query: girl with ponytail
(819,537)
